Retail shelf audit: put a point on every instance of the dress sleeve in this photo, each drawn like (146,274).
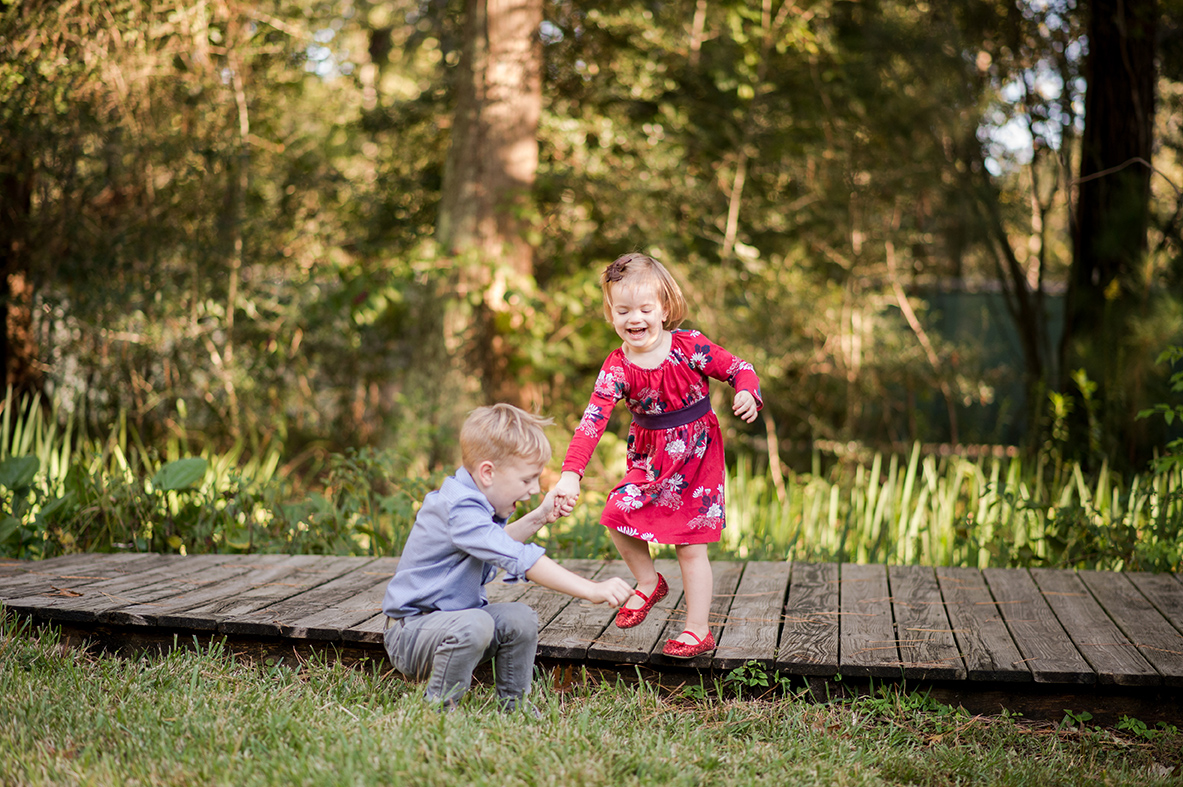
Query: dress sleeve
(714,361)
(610,388)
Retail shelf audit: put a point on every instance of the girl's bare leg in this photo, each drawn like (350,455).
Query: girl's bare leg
(698,583)
(635,553)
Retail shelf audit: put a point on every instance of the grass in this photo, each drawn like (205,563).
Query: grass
(203,717)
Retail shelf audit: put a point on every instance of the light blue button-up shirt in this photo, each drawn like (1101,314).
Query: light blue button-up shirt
(455,547)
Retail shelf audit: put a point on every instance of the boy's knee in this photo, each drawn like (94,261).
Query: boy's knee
(519,619)
(478,630)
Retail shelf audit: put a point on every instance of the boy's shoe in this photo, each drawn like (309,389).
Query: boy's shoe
(627,618)
(682,650)
(511,705)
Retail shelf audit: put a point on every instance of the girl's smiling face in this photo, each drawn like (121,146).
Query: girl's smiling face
(638,317)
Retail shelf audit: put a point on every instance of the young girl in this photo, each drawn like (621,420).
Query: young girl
(672,492)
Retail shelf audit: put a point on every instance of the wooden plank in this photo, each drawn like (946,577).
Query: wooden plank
(726,577)
(986,646)
(577,625)
(549,603)
(1164,592)
(928,650)
(68,573)
(327,611)
(1046,647)
(199,590)
(17,571)
(13,567)
(809,637)
(867,645)
(633,645)
(85,598)
(753,623)
(97,600)
(278,618)
(1155,637)
(1107,650)
(267,582)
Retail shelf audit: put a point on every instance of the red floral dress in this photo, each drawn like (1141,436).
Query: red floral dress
(672,492)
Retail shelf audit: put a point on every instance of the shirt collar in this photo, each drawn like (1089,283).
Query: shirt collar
(466,479)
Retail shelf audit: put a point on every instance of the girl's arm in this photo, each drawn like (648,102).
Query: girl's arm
(609,389)
(715,361)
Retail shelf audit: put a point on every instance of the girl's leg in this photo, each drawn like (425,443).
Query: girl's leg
(635,553)
(698,584)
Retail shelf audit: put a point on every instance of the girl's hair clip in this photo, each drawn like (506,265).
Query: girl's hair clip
(615,271)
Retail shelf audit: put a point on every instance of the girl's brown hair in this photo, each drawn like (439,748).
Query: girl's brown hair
(637,270)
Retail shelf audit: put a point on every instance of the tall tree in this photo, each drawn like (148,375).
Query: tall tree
(488,178)
(1112,213)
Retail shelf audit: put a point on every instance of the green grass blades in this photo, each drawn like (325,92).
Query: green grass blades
(203,716)
(953,510)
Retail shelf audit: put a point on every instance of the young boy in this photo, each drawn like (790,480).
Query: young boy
(440,623)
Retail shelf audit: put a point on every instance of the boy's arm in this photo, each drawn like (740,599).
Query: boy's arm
(524,527)
(549,574)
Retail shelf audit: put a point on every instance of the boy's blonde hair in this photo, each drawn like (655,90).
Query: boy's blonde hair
(639,270)
(501,431)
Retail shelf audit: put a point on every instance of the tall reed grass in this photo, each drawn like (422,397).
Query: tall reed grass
(952,510)
(63,490)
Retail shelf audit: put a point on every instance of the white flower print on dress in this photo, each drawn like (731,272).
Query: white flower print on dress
(676,449)
(630,499)
(610,383)
(591,416)
(670,495)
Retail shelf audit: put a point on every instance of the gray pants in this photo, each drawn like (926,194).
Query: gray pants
(445,648)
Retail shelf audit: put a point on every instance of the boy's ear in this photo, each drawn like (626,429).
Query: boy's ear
(484,472)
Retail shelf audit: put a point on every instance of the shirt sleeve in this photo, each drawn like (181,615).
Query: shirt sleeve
(609,389)
(474,532)
(715,361)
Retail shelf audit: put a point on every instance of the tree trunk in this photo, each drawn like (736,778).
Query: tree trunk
(488,180)
(18,348)
(1112,208)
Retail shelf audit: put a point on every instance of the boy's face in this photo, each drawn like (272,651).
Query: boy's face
(509,482)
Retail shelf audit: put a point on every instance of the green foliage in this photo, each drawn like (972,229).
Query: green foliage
(754,679)
(231,208)
(954,510)
(113,494)
(1170,411)
(61,492)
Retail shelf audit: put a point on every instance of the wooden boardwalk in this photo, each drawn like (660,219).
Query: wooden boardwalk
(991,628)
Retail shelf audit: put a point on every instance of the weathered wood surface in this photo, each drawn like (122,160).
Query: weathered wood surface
(956,625)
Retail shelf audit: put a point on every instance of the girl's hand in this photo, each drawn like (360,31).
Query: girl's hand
(566,492)
(561,507)
(744,406)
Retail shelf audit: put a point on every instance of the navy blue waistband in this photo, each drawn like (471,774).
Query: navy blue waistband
(686,415)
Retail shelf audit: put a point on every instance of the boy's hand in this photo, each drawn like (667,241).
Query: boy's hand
(744,406)
(613,592)
(559,507)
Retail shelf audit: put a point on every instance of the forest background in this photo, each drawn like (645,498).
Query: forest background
(291,231)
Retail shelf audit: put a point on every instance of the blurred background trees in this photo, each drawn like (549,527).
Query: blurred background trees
(317,224)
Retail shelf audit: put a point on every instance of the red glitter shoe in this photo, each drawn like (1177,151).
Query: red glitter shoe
(627,618)
(683,650)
